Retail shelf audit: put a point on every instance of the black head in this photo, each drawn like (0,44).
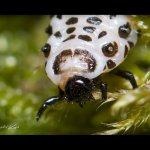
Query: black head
(78,88)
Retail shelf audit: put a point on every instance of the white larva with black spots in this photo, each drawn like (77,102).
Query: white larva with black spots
(81,48)
(87,45)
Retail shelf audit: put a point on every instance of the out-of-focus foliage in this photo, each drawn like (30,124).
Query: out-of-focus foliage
(24,86)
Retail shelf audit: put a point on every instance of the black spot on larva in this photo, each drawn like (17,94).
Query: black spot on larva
(46,49)
(72,20)
(85,38)
(112,16)
(69,38)
(94,20)
(58,35)
(110,64)
(124,30)
(131,44)
(125,51)
(89,29)
(109,49)
(103,33)
(59,16)
(60,59)
(86,57)
(66,53)
(48,30)
(70,30)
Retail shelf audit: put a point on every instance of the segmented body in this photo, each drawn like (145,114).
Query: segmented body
(87,45)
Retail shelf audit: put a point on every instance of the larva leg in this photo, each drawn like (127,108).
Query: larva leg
(127,75)
(48,102)
(103,87)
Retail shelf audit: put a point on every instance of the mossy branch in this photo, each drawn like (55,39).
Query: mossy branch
(133,111)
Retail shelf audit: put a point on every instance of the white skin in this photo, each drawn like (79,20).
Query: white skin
(73,65)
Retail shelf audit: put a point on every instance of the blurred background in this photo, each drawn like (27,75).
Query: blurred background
(24,86)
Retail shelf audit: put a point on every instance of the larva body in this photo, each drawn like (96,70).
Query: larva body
(87,45)
(82,47)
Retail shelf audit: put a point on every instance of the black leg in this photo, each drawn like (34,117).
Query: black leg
(48,102)
(127,75)
(103,87)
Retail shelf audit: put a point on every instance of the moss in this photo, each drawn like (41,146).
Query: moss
(24,86)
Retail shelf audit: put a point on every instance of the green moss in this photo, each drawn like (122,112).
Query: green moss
(24,86)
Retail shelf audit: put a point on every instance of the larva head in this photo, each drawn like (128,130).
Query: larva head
(78,88)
